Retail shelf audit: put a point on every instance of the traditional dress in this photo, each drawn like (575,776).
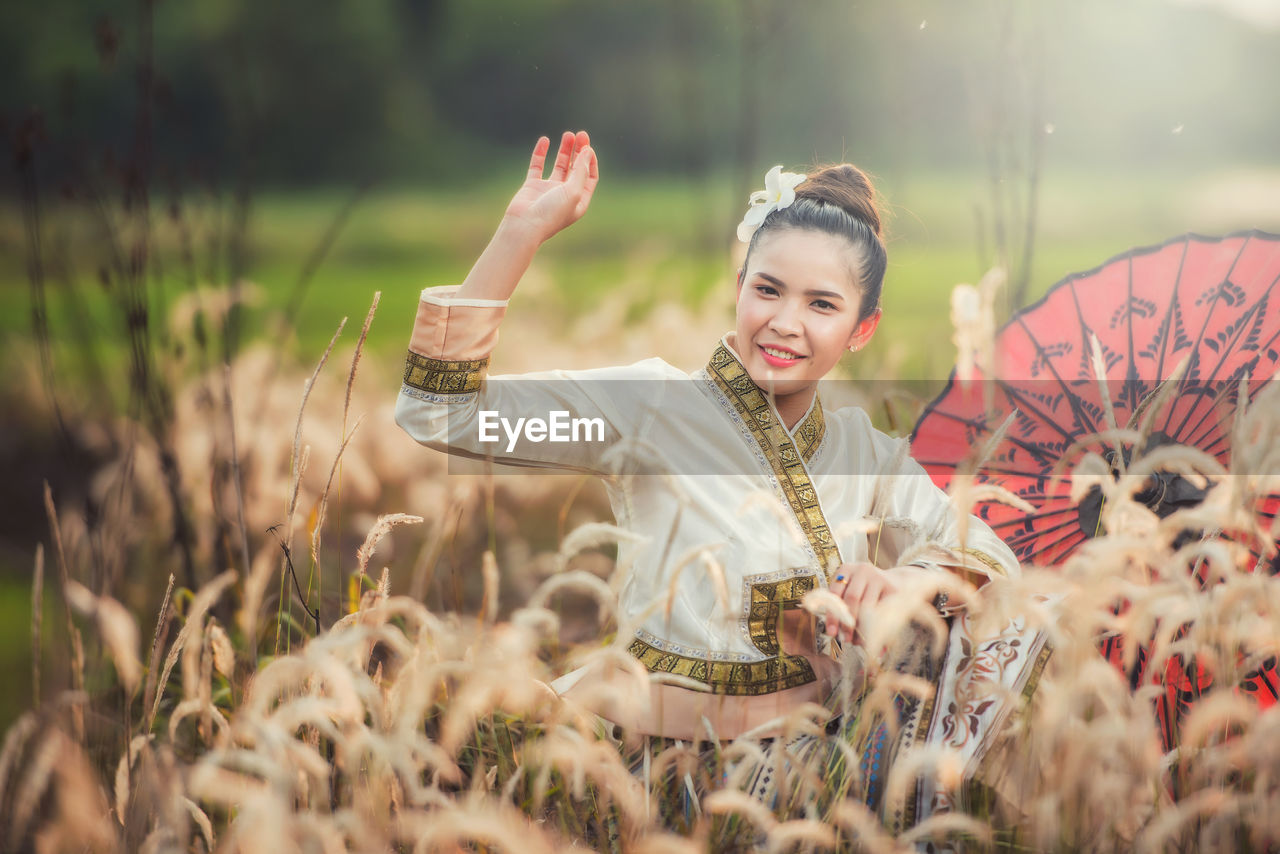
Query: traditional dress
(738,517)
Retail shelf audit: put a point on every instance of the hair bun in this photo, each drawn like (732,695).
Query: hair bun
(839,200)
(848,188)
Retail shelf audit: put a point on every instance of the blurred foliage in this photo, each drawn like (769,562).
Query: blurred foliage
(300,91)
(232,167)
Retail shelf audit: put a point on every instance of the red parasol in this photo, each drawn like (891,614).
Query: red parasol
(1208,307)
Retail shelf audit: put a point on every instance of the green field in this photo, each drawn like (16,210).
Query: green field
(662,240)
(666,240)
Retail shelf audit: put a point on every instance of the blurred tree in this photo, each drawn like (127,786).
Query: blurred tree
(340,89)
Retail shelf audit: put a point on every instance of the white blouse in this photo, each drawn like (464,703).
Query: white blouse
(737,516)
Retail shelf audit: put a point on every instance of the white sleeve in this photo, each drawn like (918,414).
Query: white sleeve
(976,549)
(921,523)
(559,419)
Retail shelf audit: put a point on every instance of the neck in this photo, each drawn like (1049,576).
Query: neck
(793,407)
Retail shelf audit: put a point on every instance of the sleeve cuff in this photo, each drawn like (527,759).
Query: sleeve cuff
(975,566)
(993,566)
(452,330)
(445,296)
(432,377)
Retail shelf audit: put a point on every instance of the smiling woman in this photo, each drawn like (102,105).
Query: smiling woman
(799,311)
(782,544)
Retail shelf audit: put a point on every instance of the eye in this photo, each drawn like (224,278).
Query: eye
(824,305)
(766,290)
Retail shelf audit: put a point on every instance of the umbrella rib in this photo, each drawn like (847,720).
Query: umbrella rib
(1021,443)
(1086,346)
(1048,547)
(987,469)
(1229,348)
(1208,448)
(1177,290)
(1261,677)
(1052,529)
(1130,373)
(1008,523)
(1079,536)
(1009,473)
(1253,309)
(1195,433)
(1204,327)
(1012,472)
(1168,316)
(1082,421)
(1276,337)
(1024,406)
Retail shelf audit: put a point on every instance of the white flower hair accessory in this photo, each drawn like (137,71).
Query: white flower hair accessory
(779,192)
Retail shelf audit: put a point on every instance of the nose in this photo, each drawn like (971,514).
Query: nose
(786,319)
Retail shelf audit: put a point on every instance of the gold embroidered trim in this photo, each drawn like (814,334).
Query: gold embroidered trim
(442,377)
(993,564)
(781,453)
(751,678)
(917,717)
(809,434)
(988,766)
(768,601)
(778,672)
(1037,670)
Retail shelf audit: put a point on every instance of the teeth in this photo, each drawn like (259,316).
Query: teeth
(781,354)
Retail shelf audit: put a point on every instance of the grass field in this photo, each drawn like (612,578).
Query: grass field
(422,717)
(665,241)
(645,247)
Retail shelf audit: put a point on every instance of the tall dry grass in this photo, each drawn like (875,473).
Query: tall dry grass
(398,726)
(291,697)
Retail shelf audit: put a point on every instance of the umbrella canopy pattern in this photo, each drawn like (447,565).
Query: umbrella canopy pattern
(1175,329)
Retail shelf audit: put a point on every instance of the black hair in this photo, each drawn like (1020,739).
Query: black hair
(838,200)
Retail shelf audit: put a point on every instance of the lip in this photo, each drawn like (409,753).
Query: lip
(774,361)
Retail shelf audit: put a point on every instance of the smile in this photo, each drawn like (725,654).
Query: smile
(779,358)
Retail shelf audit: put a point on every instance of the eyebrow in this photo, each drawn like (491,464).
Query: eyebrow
(812,293)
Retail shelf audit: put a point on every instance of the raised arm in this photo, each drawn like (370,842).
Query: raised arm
(540,208)
(447,400)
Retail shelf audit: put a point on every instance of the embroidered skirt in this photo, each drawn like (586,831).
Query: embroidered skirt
(959,697)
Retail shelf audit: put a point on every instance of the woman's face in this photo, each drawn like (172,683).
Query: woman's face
(798,307)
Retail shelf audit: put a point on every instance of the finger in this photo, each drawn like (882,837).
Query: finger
(840,586)
(854,590)
(593,170)
(852,595)
(876,593)
(576,183)
(578,149)
(870,598)
(539,158)
(563,157)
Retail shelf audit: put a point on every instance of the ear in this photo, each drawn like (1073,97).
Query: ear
(863,331)
(742,271)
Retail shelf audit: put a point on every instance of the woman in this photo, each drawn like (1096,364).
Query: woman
(745,493)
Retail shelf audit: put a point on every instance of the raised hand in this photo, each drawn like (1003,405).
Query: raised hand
(547,205)
(540,208)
